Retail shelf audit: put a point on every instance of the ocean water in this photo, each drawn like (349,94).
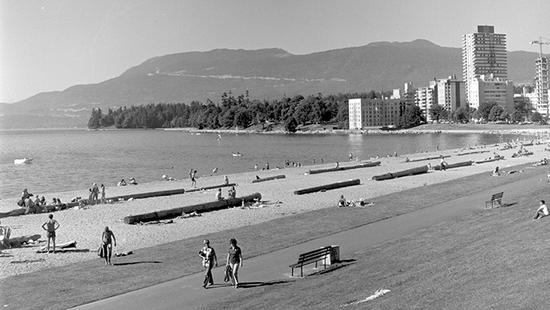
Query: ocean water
(73,159)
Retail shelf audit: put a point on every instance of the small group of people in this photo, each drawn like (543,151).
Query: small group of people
(231,193)
(131,181)
(95,191)
(233,262)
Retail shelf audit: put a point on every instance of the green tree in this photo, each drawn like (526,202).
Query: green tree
(536,117)
(412,116)
(291,124)
(461,115)
(485,109)
(495,113)
(438,112)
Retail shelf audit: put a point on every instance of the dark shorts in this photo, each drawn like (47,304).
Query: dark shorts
(51,234)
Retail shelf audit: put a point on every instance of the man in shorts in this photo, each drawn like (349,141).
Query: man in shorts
(542,211)
(50,227)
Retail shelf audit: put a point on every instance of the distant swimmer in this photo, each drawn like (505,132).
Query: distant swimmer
(350,156)
(219,137)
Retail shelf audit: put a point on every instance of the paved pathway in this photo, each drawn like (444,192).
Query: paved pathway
(187,292)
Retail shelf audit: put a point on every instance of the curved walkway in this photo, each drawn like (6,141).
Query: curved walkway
(187,292)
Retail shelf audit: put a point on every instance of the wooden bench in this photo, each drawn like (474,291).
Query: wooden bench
(496,200)
(311,257)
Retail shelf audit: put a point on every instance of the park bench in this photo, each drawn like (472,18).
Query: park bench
(311,257)
(496,200)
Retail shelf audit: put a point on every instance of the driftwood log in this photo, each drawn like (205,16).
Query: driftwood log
(327,187)
(201,207)
(400,174)
(362,165)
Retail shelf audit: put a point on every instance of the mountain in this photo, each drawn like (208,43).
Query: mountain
(266,73)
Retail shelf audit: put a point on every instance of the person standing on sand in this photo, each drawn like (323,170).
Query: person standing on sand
(102,193)
(542,211)
(235,260)
(194,178)
(107,239)
(209,260)
(50,227)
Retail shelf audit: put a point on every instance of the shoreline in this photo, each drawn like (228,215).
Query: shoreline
(85,225)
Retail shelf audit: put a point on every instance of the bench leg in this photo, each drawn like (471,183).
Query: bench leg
(292,272)
(302,271)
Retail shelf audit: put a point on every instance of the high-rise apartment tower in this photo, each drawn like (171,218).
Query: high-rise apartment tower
(483,53)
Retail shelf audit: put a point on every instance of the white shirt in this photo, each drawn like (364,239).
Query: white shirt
(544,209)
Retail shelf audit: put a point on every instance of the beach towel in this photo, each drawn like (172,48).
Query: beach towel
(227,274)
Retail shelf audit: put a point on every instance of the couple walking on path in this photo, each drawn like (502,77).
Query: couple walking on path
(233,263)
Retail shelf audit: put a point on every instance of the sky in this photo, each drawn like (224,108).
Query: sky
(50,45)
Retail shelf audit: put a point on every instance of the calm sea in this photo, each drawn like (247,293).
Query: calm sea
(72,159)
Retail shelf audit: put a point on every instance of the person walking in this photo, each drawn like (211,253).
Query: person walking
(209,261)
(234,260)
(107,239)
(50,227)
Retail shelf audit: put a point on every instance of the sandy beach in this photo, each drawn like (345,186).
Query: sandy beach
(85,225)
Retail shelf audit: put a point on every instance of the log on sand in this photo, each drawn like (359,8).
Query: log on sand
(327,187)
(362,165)
(17,241)
(201,207)
(455,165)
(489,160)
(210,187)
(275,177)
(426,158)
(474,152)
(15,212)
(399,174)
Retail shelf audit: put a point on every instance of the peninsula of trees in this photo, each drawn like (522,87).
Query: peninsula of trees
(231,112)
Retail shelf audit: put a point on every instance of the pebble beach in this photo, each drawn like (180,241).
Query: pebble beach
(85,225)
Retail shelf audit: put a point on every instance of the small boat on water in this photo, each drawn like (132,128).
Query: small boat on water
(22,161)
(237,154)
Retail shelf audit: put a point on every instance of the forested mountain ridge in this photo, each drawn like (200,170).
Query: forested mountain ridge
(265,73)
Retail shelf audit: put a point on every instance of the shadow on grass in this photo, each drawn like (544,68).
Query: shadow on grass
(341,264)
(258,284)
(506,205)
(136,263)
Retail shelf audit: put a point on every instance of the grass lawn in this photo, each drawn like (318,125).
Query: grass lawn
(488,259)
(75,284)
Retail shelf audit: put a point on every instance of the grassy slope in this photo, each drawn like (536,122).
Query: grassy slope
(88,281)
(488,259)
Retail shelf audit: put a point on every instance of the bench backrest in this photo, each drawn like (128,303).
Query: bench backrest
(497,196)
(314,254)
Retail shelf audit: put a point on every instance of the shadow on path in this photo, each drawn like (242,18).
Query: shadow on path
(135,263)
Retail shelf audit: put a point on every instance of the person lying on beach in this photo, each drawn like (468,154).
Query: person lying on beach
(542,162)
(132,181)
(542,211)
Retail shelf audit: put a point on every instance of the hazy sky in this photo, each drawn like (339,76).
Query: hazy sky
(50,45)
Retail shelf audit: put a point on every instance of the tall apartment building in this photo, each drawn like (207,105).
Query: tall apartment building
(483,53)
(424,98)
(451,93)
(541,86)
(374,112)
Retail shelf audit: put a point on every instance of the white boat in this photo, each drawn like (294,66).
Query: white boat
(22,161)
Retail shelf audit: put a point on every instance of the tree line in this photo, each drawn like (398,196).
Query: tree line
(235,111)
